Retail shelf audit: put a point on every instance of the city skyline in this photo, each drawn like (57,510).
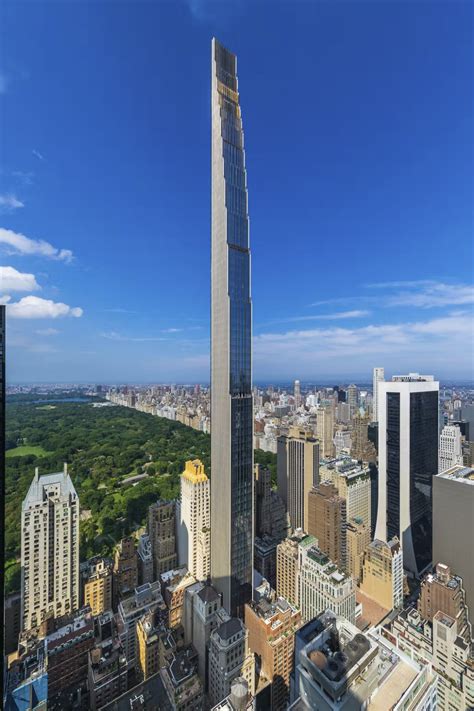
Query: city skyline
(369,299)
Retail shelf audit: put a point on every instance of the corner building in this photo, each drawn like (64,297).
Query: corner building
(231,317)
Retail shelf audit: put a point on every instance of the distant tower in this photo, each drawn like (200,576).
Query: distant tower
(353,399)
(298,473)
(297,393)
(408,461)
(378,377)
(195,520)
(49,549)
(231,344)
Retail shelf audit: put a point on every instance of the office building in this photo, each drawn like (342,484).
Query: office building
(298,473)
(145,559)
(108,668)
(357,540)
(173,587)
(382,573)
(378,377)
(125,568)
(68,650)
(352,399)
(340,669)
(182,683)
(436,643)
(288,566)
(3,626)
(297,393)
(453,525)
(228,658)
(322,586)
(327,521)
(270,517)
(162,532)
(231,344)
(203,612)
(194,521)
(362,448)
(325,430)
(408,461)
(49,548)
(146,598)
(97,581)
(342,442)
(265,555)
(353,483)
(271,636)
(442,591)
(148,650)
(450,448)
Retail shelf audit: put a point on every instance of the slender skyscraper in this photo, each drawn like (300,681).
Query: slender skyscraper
(378,377)
(231,333)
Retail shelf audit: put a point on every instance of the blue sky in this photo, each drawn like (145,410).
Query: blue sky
(358,127)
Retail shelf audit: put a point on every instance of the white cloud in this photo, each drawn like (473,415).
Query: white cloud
(37,154)
(171,330)
(114,336)
(5,299)
(16,243)
(440,343)
(13,280)
(47,331)
(434,294)
(24,177)
(338,316)
(35,307)
(424,293)
(9,202)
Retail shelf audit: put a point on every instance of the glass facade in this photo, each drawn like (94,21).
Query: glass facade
(231,389)
(393,465)
(423,467)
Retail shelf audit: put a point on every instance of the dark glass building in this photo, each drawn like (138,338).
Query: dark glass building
(231,334)
(408,461)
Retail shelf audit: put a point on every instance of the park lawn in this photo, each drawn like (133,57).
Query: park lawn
(26,449)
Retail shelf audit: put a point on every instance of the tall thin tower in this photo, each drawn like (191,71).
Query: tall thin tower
(231,335)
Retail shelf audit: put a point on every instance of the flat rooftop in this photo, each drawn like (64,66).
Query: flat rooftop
(465,475)
(394,686)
